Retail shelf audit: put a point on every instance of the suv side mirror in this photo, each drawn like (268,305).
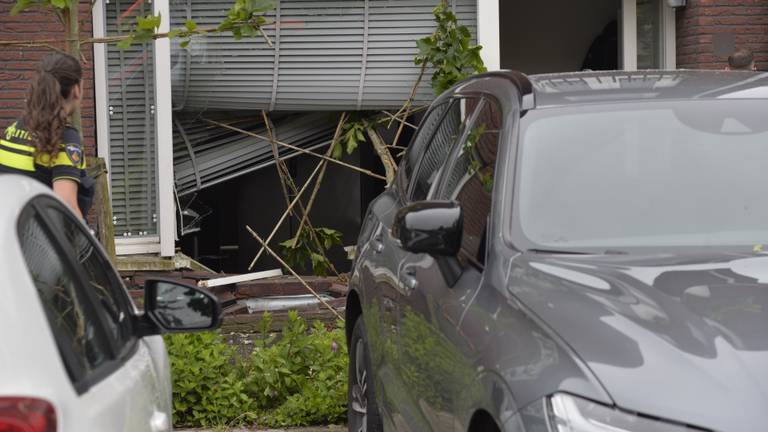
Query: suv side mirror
(433,227)
(170,306)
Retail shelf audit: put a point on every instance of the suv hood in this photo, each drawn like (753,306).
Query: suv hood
(679,337)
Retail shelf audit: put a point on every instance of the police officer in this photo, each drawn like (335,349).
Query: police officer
(42,144)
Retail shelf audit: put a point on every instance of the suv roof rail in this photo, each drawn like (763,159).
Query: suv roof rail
(518,79)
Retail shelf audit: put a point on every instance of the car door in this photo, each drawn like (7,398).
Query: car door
(377,267)
(436,291)
(118,381)
(407,412)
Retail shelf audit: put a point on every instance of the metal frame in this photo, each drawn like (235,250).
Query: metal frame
(488,33)
(629,35)
(100,86)
(164,135)
(668,37)
(165,242)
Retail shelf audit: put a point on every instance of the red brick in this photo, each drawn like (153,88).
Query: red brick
(18,63)
(701,19)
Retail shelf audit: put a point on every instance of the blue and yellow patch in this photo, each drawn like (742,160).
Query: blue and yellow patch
(74,153)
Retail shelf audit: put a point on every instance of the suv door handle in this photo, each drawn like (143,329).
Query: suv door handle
(409,279)
(159,422)
(378,244)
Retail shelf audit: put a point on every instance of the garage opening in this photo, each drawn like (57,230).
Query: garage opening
(572,35)
(558,35)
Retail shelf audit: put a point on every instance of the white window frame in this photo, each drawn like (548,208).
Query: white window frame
(628,28)
(166,205)
(667,38)
(488,34)
(164,242)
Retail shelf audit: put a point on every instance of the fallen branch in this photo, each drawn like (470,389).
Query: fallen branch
(300,150)
(409,103)
(286,213)
(287,267)
(286,182)
(390,168)
(392,117)
(282,170)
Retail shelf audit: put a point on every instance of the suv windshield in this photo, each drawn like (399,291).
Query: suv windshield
(649,174)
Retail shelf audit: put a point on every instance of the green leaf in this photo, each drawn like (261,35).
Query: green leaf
(425,45)
(20,6)
(337,151)
(125,43)
(59,4)
(149,22)
(184,43)
(190,25)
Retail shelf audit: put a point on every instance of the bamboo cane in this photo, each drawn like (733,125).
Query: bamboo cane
(312,197)
(284,264)
(286,213)
(300,150)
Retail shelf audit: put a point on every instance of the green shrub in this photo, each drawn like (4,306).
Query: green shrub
(298,378)
(206,388)
(305,375)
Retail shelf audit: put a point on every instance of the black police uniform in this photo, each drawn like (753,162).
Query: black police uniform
(19,156)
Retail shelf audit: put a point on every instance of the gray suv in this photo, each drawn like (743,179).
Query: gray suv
(570,253)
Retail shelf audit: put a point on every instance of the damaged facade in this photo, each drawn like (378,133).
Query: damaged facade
(176,179)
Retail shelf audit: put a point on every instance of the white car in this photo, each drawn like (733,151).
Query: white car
(75,353)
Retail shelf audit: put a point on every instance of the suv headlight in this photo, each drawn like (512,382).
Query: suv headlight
(567,413)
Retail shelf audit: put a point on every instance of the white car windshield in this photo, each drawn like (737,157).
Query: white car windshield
(647,174)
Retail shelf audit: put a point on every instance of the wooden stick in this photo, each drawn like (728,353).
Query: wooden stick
(301,150)
(284,264)
(398,119)
(312,197)
(279,164)
(409,103)
(286,182)
(249,277)
(286,213)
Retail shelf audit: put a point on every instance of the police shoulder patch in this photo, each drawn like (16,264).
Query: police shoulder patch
(74,153)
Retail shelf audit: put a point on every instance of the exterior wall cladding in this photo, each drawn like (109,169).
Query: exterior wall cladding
(705,24)
(18,63)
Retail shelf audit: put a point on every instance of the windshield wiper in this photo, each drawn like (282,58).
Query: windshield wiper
(574,252)
(559,251)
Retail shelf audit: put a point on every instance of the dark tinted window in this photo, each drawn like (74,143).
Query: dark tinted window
(101,279)
(470,178)
(75,330)
(436,152)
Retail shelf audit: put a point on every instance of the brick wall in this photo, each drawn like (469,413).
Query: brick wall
(17,63)
(708,29)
